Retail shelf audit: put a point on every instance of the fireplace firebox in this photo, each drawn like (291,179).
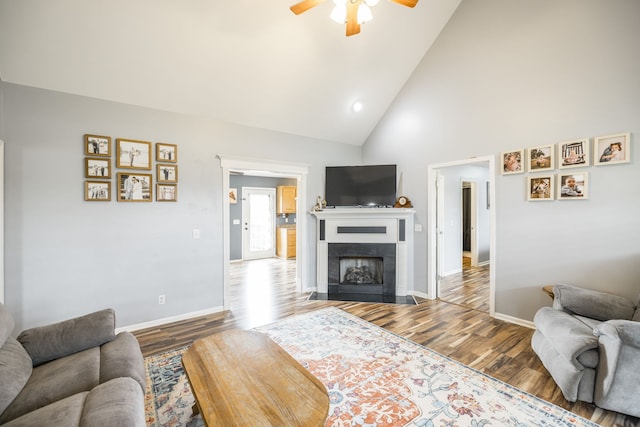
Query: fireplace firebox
(362,268)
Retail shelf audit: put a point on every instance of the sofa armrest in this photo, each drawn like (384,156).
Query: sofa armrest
(593,304)
(568,335)
(46,343)
(615,338)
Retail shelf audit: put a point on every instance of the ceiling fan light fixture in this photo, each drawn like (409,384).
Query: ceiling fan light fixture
(364,13)
(339,12)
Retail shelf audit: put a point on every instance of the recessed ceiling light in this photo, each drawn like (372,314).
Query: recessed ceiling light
(357,106)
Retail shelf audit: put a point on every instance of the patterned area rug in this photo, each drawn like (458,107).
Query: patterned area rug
(374,378)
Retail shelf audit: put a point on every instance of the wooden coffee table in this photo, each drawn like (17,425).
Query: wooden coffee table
(244,378)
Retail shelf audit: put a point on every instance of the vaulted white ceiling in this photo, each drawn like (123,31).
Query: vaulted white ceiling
(250,62)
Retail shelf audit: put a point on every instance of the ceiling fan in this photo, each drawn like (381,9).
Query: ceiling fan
(353,12)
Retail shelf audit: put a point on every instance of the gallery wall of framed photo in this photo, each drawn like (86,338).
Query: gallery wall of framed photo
(571,159)
(135,167)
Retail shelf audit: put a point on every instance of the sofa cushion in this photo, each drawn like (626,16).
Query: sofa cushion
(46,343)
(65,412)
(6,324)
(56,380)
(119,402)
(15,370)
(589,303)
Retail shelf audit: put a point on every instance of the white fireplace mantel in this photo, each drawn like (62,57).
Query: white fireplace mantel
(366,225)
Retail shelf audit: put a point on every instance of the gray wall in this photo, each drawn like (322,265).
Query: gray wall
(65,256)
(239,181)
(509,74)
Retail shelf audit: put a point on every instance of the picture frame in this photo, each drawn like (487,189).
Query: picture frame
(540,188)
(573,154)
(166,152)
(133,154)
(233,196)
(573,186)
(541,158)
(512,162)
(166,192)
(612,149)
(166,173)
(97,168)
(97,191)
(97,145)
(135,187)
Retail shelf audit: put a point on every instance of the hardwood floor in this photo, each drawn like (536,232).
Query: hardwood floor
(263,291)
(470,288)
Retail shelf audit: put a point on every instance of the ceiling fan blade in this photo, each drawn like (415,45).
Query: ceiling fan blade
(408,3)
(352,18)
(304,5)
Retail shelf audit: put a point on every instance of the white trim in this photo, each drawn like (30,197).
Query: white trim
(1,221)
(449,273)
(432,175)
(418,294)
(166,320)
(296,170)
(514,320)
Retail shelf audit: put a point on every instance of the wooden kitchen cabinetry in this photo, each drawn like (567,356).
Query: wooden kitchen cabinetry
(286,242)
(286,199)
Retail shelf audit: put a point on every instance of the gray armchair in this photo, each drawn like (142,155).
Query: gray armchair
(590,344)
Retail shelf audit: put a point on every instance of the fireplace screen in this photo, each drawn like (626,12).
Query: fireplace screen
(361,270)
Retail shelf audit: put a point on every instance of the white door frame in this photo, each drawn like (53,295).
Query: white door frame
(246,211)
(295,170)
(432,176)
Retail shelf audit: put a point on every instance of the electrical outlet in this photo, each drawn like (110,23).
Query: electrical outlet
(161,299)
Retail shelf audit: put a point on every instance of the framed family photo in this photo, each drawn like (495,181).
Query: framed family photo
(541,158)
(612,149)
(167,193)
(166,152)
(167,173)
(512,162)
(96,145)
(97,191)
(132,154)
(573,154)
(540,188)
(573,186)
(134,187)
(97,168)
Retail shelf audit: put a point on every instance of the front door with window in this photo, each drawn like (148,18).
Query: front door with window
(258,223)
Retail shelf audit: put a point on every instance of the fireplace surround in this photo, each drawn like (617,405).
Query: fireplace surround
(367,251)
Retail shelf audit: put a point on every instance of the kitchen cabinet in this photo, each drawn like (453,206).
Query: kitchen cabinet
(286,199)
(286,242)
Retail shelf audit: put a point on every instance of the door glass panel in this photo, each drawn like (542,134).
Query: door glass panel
(260,223)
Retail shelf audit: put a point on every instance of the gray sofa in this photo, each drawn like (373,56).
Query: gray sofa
(590,343)
(73,373)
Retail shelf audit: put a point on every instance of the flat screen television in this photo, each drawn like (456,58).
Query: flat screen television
(368,186)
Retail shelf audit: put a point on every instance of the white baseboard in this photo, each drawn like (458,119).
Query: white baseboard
(166,320)
(449,273)
(515,320)
(418,294)
(483,263)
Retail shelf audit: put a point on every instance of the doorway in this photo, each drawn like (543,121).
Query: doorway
(451,275)
(258,167)
(258,223)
